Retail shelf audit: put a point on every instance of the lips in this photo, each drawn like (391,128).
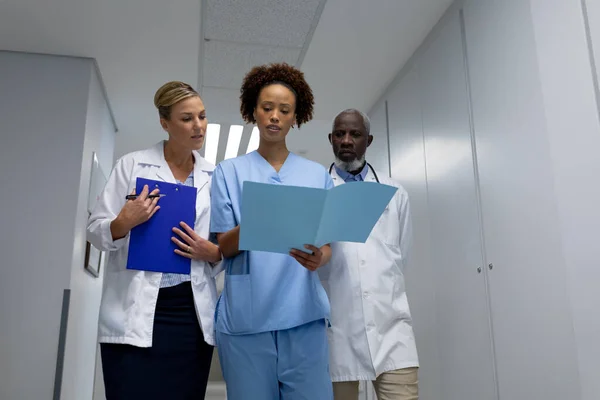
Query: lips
(197,137)
(273,128)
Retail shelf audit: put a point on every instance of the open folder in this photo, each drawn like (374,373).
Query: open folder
(150,245)
(277,218)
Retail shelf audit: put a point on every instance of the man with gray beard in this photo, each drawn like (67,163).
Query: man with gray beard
(371,336)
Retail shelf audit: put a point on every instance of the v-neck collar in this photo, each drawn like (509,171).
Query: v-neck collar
(273,170)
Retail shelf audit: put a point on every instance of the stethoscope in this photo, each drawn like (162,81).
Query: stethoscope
(368,165)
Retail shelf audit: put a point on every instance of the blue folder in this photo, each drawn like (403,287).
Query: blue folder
(150,245)
(277,218)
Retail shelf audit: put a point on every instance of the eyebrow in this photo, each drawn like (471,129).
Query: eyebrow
(270,102)
(191,113)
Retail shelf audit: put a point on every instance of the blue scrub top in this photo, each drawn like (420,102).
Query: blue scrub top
(264,291)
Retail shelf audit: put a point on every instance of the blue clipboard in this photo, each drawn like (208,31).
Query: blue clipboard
(150,245)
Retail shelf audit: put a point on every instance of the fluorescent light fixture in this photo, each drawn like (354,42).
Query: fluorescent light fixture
(212,142)
(233,141)
(254,139)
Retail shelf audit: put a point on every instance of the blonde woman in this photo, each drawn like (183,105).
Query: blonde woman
(156,330)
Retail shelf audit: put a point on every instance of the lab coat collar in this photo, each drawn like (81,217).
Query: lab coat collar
(338,180)
(156,156)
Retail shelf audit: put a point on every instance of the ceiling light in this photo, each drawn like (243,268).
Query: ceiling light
(212,142)
(254,139)
(233,141)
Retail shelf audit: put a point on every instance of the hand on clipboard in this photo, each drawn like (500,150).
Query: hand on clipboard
(139,209)
(151,247)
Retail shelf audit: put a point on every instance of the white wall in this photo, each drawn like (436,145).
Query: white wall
(573,130)
(530,301)
(43,115)
(44,112)
(86,291)
(591,13)
(377,153)
(407,149)
(525,177)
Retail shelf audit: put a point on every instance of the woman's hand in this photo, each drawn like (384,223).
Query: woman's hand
(317,259)
(134,213)
(195,247)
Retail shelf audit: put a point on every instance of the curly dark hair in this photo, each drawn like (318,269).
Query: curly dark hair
(281,73)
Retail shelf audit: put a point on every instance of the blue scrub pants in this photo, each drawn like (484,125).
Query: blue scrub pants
(290,364)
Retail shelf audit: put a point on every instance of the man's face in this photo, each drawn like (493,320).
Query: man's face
(349,138)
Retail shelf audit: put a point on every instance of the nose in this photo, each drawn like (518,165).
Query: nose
(197,123)
(347,139)
(274,117)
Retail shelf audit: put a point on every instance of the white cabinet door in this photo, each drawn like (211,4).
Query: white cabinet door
(377,154)
(464,333)
(408,167)
(533,329)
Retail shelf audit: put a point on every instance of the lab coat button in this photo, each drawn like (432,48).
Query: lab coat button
(366,295)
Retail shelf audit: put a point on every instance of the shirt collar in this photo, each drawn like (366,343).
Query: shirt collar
(348,177)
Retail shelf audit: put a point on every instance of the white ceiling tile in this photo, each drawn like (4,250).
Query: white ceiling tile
(133,66)
(272,22)
(226,63)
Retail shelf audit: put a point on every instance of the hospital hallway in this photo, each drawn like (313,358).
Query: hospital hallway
(487,113)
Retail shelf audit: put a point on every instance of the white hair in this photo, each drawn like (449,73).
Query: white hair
(350,165)
(365,118)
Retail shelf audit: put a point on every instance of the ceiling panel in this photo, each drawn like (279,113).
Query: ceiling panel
(269,22)
(355,51)
(226,63)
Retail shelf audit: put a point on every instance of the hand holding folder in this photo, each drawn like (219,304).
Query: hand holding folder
(278,218)
(150,245)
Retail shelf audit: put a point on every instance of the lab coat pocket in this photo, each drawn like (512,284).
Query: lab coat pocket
(387,228)
(238,292)
(395,256)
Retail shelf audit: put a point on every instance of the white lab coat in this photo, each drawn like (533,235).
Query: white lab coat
(129,297)
(371,326)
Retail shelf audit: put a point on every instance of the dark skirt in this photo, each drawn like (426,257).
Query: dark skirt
(177,365)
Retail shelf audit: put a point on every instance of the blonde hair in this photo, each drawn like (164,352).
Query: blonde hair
(172,93)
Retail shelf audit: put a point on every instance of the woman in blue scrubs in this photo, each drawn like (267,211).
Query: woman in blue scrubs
(271,319)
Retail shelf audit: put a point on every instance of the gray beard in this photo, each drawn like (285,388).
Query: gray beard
(349,166)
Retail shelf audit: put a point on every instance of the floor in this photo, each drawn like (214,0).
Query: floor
(216,391)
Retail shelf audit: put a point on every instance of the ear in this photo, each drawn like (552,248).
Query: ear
(294,123)
(369,140)
(329,137)
(164,124)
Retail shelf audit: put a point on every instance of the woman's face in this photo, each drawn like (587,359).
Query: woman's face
(187,124)
(275,112)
